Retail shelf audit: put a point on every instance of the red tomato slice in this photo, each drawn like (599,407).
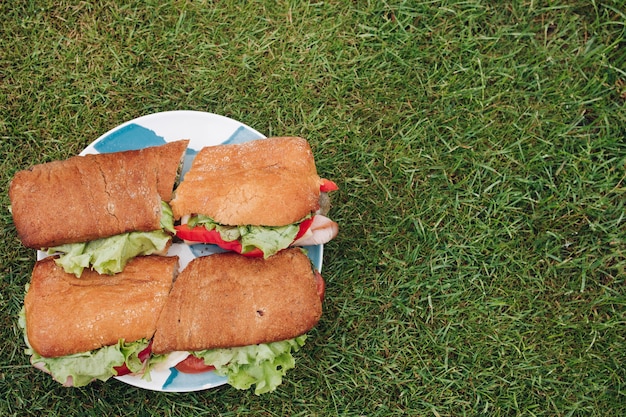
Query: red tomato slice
(193,365)
(122,370)
(327,186)
(201,235)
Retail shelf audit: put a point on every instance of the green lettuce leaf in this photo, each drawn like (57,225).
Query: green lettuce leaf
(87,366)
(97,364)
(261,365)
(167,218)
(269,239)
(110,255)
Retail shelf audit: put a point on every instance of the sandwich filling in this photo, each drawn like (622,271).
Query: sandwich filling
(248,240)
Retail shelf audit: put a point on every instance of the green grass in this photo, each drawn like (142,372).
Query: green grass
(480,148)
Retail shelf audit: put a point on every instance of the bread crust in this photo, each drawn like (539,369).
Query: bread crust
(266,182)
(84,198)
(66,315)
(228,300)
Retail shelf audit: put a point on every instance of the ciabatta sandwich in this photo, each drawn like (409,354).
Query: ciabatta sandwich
(95,326)
(242,315)
(255,198)
(99,210)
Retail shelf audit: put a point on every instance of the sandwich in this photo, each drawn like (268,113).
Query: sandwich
(255,198)
(99,211)
(112,319)
(241,316)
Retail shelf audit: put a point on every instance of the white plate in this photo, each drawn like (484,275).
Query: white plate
(202,129)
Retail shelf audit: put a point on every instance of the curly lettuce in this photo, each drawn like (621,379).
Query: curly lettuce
(261,365)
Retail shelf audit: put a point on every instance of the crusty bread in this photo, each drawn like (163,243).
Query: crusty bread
(228,300)
(84,198)
(66,315)
(268,182)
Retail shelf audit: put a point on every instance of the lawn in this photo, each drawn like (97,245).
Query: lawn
(480,151)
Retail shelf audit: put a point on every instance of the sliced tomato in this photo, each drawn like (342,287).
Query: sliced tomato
(320,285)
(193,365)
(328,186)
(122,370)
(200,234)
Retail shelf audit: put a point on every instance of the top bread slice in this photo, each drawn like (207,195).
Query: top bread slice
(66,315)
(265,182)
(84,198)
(228,300)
